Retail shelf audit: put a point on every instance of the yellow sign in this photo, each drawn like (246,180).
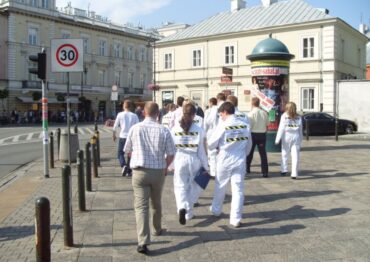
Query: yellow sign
(282,63)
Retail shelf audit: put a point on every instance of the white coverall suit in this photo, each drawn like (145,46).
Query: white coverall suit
(233,139)
(243,117)
(290,134)
(190,157)
(210,123)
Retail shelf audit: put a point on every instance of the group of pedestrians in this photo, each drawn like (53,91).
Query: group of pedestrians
(219,145)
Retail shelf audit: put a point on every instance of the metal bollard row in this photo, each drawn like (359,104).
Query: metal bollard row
(81,181)
(42,229)
(93,142)
(51,150)
(88,167)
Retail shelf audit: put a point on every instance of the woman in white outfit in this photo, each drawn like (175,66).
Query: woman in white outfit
(290,134)
(190,157)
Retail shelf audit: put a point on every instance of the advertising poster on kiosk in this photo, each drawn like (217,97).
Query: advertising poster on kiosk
(270,80)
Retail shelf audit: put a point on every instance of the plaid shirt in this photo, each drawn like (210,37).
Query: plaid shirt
(149,142)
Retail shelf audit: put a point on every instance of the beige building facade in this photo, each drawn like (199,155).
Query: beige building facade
(113,55)
(326,49)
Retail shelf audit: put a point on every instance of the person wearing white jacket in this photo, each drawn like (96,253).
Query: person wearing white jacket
(190,156)
(290,134)
(232,138)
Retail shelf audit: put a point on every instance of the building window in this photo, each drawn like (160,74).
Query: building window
(142,53)
(85,44)
(33,2)
(308,99)
(229,54)
(130,79)
(197,58)
(102,47)
(130,52)
(45,4)
(308,47)
(66,34)
(117,50)
(168,61)
(101,74)
(117,78)
(142,81)
(32,36)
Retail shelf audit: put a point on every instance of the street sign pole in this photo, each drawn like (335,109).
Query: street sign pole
(45,126)
(68,121)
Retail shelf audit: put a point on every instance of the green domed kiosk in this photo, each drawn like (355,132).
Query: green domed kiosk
(270,78)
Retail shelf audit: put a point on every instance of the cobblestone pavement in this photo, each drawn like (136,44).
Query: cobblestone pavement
(323,215)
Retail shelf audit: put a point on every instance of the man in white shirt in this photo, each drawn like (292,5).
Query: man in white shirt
(259,122)
(177,114)
(125,120)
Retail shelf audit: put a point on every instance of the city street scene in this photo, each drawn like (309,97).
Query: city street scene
(162,130)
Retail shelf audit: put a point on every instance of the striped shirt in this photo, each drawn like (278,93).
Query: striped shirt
(149,142)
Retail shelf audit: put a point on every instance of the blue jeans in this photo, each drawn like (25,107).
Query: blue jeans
(121,155)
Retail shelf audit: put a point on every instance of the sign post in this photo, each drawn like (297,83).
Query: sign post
(114,98)
(66,57)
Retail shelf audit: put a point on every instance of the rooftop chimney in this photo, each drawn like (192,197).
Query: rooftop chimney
(237,5)
(267,3)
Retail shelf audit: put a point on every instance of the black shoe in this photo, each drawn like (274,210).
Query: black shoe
(248,171)
(124,170)
(265,175)
(294,177)
(283,173)
(182,218)
(196,204)
(143,249)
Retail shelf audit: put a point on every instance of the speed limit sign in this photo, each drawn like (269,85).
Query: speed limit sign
(67,55)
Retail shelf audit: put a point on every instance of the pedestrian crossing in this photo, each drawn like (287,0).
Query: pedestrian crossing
(83,132)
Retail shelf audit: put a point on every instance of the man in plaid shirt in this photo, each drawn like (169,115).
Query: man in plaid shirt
(152,150)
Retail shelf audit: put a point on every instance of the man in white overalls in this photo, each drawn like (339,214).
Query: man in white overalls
(238,114)
(232,138)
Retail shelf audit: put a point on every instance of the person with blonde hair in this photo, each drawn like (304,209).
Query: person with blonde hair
(190,156)
(290,134)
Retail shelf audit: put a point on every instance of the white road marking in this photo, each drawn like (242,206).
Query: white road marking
(29,137)
(16,139)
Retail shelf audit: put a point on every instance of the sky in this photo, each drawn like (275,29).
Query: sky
(155,13)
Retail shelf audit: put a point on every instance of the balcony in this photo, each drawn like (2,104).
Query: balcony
(31,84)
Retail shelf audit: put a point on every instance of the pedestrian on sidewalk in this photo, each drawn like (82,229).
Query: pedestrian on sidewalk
(259,121)
(125,120)
(190,156)
(152,150)
(232,138)
(290,134)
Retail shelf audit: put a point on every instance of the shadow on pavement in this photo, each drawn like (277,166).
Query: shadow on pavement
(308,174)
(16,232)
(344,147)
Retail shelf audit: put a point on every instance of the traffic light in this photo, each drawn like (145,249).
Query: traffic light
(40,71)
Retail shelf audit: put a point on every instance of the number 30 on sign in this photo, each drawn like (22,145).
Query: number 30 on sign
(66,55)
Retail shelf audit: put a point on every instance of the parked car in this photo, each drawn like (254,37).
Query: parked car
(324,124)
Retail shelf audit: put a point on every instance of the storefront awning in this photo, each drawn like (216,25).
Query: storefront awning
(51,100)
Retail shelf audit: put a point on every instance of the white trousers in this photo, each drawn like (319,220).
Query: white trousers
(232,172)
(292,148)
(186,190)
(212,161)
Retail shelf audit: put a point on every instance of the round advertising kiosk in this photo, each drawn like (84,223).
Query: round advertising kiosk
(270,78)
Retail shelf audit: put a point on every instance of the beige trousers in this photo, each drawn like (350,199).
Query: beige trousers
(147,184)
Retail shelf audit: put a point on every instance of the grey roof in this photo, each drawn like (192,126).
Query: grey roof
(256,17)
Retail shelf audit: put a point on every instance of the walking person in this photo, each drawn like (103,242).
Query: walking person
(152,150)
(238,114)
(166,119)
(290,134)
(259,121)
(210,124)
(190,156)
(232,139)
(125,120)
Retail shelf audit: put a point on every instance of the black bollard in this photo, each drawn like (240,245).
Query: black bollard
(81,180)
(42,229)
(307,128)
(96,126)
(98,146)
(88,167)
(76,129)
(58,140)
(51,150)
(67,206)
(336,129)
(94,156)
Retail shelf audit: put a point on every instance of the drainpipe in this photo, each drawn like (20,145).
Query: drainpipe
(321,73)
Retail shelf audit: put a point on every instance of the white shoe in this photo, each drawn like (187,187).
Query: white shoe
(236,225)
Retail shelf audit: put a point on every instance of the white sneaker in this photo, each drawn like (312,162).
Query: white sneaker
(236,225)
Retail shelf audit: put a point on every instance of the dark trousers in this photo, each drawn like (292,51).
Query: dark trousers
(121,155)
(259,140)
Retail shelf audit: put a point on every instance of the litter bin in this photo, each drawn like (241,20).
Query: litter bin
(73,146)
